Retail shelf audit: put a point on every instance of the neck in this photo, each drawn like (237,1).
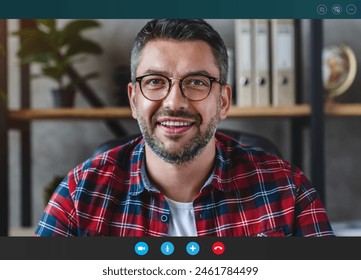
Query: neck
(181,182)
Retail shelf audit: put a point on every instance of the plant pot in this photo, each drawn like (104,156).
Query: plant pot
(63,97)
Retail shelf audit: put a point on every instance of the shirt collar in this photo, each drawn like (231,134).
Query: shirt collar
(136,183)
(220,178)
(149,186)
(145,179)
(223,171)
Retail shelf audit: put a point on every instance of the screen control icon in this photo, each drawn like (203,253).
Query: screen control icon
(336,9)
(193,248)
(218,248)
(351,9)
(322,9)
(167,248)
(141,248)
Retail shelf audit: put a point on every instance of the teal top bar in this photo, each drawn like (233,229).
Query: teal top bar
(227,9)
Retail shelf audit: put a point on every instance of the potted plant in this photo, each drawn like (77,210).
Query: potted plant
(56,50)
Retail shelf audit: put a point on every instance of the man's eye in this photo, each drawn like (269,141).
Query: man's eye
(197,83)
(155,82)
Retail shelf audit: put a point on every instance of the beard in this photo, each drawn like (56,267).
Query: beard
(187,152)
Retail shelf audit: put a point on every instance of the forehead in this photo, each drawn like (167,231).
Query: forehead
(177,57)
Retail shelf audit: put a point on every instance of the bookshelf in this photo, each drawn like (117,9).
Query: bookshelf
(302,110)
(301,115)
(125,113)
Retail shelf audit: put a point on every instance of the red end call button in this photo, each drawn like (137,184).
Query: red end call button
(218,248)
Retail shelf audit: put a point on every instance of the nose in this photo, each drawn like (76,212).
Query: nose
(175,99)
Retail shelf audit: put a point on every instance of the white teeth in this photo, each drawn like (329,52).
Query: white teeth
(171,123)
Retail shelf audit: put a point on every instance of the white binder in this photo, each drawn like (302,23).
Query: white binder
(243,56)
(283,62)
(230,76)
(261,63)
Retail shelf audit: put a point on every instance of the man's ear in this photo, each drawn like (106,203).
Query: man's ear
(132,99)
(226,100)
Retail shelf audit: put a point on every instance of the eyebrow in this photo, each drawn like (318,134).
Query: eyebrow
(164,73)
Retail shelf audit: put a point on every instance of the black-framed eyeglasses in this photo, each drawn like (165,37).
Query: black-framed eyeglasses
(195,87)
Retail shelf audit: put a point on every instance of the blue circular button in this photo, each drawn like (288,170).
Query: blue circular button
(193,248)
(167,248)
(141,248)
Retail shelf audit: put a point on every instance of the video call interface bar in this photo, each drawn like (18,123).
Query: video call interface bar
(182,248)
(183,8)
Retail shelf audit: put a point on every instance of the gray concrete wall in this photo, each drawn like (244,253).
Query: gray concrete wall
(57,146)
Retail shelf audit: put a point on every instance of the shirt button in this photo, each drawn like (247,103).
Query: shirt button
(164,218)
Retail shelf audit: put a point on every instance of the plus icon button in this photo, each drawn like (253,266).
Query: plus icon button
(193,248)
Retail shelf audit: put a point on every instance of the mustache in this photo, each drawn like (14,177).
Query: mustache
(176,113)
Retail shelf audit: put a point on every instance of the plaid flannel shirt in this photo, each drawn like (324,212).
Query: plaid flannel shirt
(251,193)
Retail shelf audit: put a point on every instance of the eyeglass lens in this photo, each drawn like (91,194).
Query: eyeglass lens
(194,87)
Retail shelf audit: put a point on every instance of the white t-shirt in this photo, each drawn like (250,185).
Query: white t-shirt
(182,221)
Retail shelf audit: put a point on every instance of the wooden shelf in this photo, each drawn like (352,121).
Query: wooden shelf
(304,110)
(343,110)
(70,113)
(122,113)
(286,111)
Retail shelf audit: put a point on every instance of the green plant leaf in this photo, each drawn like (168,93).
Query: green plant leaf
(72,30)
(55,73)
(3,96)
(48,23)
(34,42)
(2,50)
(83,46)
(42,58)
(55,48)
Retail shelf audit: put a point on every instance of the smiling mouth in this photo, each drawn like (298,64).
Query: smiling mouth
(175,127)
(175,124)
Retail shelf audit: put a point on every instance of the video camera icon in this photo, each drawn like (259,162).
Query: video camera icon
(141,248)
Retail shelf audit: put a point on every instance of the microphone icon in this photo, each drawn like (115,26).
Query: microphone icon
(167,248)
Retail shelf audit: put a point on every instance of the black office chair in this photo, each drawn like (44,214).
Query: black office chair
(244,138)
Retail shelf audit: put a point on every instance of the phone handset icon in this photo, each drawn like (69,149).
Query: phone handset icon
(218,248)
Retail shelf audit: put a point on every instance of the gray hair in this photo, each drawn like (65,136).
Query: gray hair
(181,30)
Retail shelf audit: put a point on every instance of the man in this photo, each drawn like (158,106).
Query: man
(182,178)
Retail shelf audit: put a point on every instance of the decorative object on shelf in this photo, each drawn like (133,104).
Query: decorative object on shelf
(63,97)
(339,69)
(56,50)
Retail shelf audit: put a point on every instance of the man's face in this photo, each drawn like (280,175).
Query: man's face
(176,128)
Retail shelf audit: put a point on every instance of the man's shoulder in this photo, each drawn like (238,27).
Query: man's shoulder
(244,154)
(120,156)
(241,166)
